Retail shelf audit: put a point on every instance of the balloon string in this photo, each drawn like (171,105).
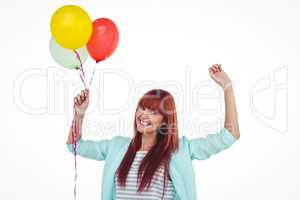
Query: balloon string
(74,147)
(81,68)
(82,80)
(92,75)
(78,57)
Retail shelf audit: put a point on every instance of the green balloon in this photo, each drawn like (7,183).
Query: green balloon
(67,57)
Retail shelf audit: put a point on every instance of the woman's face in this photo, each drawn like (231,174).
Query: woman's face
(147,120)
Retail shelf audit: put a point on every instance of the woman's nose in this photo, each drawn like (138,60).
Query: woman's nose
(144,116)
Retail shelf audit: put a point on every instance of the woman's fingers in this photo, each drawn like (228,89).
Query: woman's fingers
(211,72)
(80,98)
(213,69)
(86,92)
(216,68)
(75,101)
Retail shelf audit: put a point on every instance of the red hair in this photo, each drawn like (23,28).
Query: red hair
(160,153)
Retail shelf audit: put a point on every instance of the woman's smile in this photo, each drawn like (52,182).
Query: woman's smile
(144,124)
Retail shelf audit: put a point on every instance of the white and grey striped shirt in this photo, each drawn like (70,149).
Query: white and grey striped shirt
(155,190)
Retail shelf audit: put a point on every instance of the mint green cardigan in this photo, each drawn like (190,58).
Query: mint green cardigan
(180,166)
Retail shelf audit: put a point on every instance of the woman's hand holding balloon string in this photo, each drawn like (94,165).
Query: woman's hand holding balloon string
(81,102)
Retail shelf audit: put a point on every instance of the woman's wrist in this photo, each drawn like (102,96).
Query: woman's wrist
(78,115)
(227,86)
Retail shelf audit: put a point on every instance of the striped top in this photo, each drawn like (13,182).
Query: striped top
(155,190)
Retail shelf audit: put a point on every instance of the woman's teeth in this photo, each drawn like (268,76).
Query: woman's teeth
(145,124)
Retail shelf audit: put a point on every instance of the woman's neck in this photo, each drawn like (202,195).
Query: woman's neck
(148,140)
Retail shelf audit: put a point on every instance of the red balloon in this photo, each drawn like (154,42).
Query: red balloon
(104,39)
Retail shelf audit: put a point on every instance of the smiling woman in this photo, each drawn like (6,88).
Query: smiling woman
(155,109)
(155,163)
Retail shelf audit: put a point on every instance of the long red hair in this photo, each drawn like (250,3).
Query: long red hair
(167,141)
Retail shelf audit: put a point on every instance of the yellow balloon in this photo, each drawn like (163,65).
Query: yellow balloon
(71,26)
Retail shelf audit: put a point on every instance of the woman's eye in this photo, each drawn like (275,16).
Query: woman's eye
(152,112)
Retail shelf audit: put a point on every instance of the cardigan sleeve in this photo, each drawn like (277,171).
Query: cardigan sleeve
(203,147)
(95,150)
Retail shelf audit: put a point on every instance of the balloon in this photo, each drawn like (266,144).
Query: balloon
(71,26)
(66,57)
(104,39)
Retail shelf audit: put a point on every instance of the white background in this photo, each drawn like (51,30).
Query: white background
(163,44)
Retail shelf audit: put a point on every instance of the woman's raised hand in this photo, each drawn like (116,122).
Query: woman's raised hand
(81,103)
(219,76)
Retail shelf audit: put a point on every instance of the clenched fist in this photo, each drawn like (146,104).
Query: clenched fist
(219,76)
(81,103)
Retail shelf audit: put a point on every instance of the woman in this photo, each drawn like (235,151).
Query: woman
(155,163)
